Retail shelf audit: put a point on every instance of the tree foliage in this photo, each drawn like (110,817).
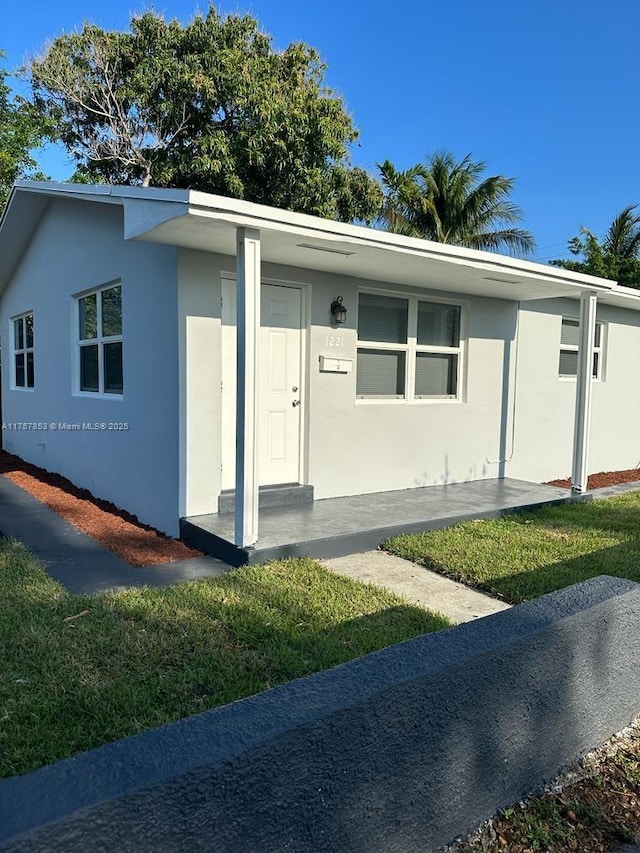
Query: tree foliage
(21,131)
(210,106)
(446,201)
(616,256)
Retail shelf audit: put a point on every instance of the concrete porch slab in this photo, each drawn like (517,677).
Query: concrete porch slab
(334,527)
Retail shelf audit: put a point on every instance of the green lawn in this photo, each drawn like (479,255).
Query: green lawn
(145,657)
(519,557)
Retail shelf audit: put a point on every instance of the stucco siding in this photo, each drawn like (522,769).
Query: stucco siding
(615,421)
(545,402)
(200,358)
(349,446)
(79,246)
(358,446)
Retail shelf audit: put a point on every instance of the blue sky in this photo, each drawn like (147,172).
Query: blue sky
(545,91)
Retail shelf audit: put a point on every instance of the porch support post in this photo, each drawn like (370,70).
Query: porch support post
(580,468)
(248,327)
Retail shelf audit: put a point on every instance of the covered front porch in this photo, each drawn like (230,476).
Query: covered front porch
(223,438)
(334,527)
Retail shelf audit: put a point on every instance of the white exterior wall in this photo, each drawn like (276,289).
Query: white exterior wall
(359,446)
(79,246)
(615,416)
(545,402)
(177,454)
(351,447)
(200,342)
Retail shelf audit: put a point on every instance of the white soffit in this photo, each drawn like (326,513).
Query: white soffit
(414,263)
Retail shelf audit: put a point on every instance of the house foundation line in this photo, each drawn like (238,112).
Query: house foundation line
(248,313)
(584,384)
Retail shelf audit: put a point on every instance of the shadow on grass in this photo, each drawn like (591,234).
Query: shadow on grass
(523,556)
(81,671)
(617,518)
(391,768)
(615,515)
(622,561)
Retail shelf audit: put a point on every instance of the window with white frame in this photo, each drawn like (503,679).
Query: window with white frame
(569,345)
(408,348)
(100,341)
(23,356)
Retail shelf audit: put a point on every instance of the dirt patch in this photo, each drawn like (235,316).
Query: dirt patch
(604,478)
(591,809)
(555,532)
(119,531)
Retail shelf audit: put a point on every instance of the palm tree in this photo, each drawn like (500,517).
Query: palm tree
(616,256)
(623,236)
(446,201)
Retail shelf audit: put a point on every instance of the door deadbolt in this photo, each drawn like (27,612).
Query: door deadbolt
(294,389)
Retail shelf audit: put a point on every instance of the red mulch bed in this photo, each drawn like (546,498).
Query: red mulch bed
(119,531)
(604,478)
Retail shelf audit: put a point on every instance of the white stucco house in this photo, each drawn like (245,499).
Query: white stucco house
(163,348)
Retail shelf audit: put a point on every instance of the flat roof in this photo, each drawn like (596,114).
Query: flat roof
(207,222)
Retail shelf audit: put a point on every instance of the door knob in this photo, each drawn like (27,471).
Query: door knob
(295,403)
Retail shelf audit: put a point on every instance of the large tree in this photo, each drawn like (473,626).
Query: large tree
(615,256)
(446,201)
(21,131)
(211,106)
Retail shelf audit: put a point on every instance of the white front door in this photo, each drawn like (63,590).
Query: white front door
(280,384)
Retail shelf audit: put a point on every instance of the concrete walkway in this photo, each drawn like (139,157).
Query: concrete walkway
(422,586)
(433,591)
(86,567)
(78,562)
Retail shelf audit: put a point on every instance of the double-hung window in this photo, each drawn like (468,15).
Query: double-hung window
(23,357)
(383,345)
(437,350)
(100,341)
(408,348)
(569,344)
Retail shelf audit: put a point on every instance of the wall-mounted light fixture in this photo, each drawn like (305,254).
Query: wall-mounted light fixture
(338,311)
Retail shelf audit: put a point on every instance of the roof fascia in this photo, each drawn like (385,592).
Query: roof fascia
(307,229)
